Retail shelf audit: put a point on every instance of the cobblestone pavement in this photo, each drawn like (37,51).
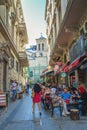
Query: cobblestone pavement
(19,117)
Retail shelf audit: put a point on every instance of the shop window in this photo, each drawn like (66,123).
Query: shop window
(81,75)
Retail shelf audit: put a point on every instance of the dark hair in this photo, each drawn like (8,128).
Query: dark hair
(37,88)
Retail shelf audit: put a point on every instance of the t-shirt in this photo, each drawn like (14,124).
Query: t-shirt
(53,90)
(14,85)
(66,96)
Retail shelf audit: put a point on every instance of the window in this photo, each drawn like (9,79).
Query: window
(31,73)
(39,47)
(42,46)
(12,61)
(17,66)
(41,54)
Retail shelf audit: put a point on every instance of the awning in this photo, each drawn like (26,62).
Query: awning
(46,69)
(42,75)
(75,63)
(49,72)
(63,67)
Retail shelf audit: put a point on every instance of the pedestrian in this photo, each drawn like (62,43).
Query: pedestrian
(14,89)
(28,86)
(36,97)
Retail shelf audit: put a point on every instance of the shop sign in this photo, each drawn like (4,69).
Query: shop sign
(63,74)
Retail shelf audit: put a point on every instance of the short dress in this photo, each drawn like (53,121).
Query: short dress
(37,97)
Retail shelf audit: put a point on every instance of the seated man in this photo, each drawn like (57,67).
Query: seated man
(66,98)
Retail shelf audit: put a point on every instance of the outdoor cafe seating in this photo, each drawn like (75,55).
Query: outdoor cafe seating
(75,105)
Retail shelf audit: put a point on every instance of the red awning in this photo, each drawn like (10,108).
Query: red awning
(63,67)
(74,63)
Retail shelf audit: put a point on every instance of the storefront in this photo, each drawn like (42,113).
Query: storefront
(76,68)
(77,71)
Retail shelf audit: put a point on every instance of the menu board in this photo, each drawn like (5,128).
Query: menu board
(2,99)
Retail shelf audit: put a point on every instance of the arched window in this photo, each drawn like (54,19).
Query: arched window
(42,46)
(39,47)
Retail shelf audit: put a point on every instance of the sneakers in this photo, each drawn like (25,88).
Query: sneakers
(63,114)
(67,113)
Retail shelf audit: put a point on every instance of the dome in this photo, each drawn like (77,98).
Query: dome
(41,36)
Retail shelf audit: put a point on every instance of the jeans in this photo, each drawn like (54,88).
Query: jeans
(14,95)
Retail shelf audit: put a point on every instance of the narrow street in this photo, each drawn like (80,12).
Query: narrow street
(19,117)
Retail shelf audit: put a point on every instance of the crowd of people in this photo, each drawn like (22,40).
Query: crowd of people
(63,94)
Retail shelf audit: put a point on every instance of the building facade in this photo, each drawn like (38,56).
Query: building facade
(66,37)
(13,37)
(39,61)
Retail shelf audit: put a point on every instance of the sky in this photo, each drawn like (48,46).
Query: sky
(34,15)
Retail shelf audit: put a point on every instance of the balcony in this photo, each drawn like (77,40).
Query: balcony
(78,49)
(6,34)
(23,59)
(23,32)
(75,12)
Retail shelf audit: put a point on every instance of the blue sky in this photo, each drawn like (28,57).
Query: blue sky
(34,15)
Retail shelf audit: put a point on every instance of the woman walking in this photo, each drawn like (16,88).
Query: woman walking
(36,97)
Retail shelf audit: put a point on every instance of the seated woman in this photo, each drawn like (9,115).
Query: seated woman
(76,96)
(46,97)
